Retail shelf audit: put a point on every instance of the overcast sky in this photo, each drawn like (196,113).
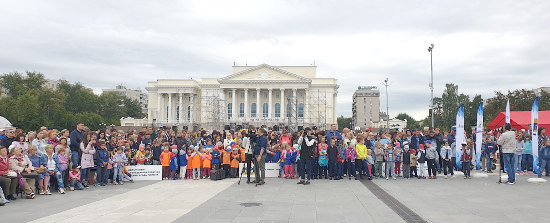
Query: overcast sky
(482,46)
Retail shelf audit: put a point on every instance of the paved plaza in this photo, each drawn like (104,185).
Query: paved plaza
(281,200)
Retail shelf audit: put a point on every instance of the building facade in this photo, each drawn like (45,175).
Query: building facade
(137,95)
(366,107)
(252,95)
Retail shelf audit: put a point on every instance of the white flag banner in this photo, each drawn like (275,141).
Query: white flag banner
(479,135)
(508,111)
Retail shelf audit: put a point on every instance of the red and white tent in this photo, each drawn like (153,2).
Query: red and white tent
(520,119)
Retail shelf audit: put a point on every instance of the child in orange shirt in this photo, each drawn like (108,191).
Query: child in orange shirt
(235,160)
(165,157)
(196,162)
(226,159)
(189,168)
(206,163)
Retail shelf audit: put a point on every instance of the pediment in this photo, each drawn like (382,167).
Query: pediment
(263,72)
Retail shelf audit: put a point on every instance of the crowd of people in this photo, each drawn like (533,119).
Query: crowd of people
(37,163)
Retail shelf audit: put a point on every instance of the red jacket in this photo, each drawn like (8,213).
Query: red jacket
(4,166)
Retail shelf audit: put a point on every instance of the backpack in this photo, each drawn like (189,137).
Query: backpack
(323,160)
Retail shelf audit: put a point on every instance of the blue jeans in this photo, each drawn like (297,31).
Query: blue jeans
(117,175)
(101,175)
(77,185)
(363,168)
(544,165)
(339,169)
(489,162)
(527,161)
(517,162)
(351,169)
(59,177)
(85,175)
(332,169)
(306,165)
(75,159)
(315,167)
(508,159)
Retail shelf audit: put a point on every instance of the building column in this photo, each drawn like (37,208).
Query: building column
(294,101)
(191,113)
(270,105)
(258,106)
(223,106)
(246,104)
(180,116)
(283,114)
(169,108)
(159,112)
(233,102)
(306,106)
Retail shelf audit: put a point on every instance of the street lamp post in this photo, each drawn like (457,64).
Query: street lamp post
(387,103)
(430,49)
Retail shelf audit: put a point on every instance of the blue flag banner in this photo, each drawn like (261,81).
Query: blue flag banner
(534,135)
(459,135)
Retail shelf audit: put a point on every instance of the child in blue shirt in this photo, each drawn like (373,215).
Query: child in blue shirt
(182,163)
(174,164)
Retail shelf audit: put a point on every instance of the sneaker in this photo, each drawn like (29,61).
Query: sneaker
(299,182)
(48,192)
(469,177)
(306,183)
(387,178)
(115,183)
(509,183)
(120,183)
(61,191)
(465,177)
(41,192)
(529,172)
(394,178)
(71,188)
(489,171)
(445,177)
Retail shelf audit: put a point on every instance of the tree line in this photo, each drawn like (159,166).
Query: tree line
(446,106)
(28,104)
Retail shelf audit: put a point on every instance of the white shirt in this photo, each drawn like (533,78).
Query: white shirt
(51,164)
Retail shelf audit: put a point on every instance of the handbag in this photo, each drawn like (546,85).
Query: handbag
(22,182)
(32,174)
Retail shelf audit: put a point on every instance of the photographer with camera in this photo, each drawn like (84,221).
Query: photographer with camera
(306,155)
(248,143)
(260,154)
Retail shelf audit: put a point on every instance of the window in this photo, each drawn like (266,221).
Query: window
(188,113)
(178,113)
(277,110)
(300,110)
(301,94)
(253,94)
(277,95)
(229,110)
(242,94)
(241,110)
(253,109)
(265,94)
(230,94)
(265,110)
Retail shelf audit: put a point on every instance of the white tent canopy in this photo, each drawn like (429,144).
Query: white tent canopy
(4,123)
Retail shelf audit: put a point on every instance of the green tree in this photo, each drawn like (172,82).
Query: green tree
(17,85)
(344,122)
(411,122)
(132,108)
(78,98)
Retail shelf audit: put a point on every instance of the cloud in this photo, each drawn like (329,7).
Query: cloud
(481,46)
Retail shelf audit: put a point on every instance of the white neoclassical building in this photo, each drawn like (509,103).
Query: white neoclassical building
(251,95)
